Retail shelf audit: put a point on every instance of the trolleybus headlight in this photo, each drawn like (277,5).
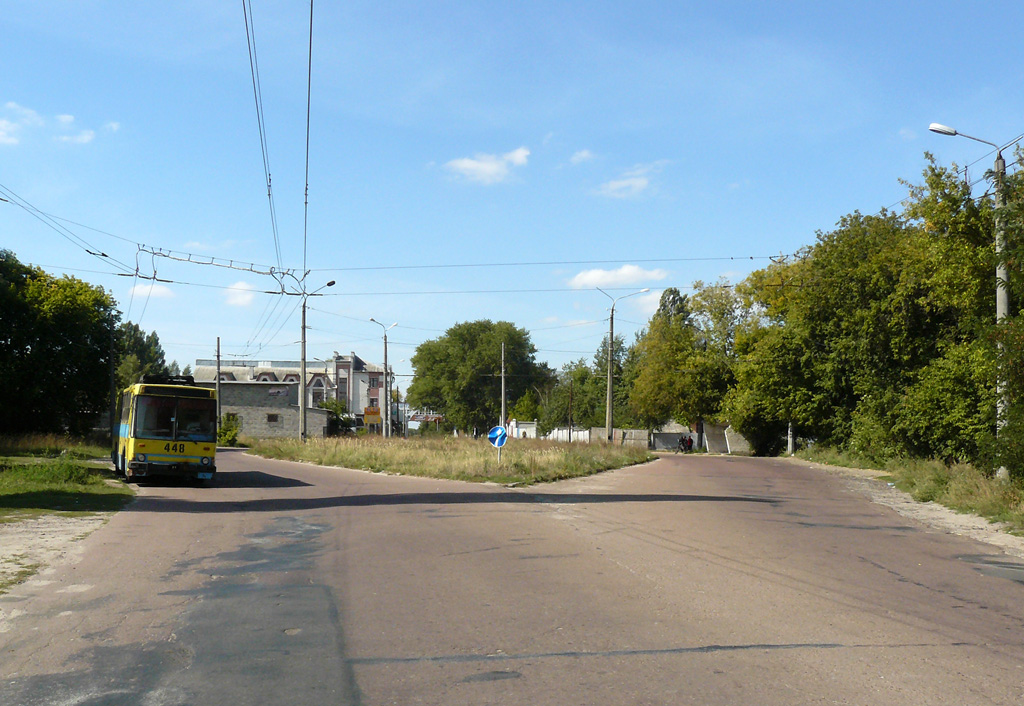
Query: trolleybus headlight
(205,460)
(140,457)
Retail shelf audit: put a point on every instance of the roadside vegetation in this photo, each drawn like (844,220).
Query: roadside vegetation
(958,486)
(42,474)
(523,461)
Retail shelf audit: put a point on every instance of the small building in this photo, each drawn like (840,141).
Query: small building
(265,409)
(349,378)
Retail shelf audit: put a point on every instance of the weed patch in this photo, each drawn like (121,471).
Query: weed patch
(523,461)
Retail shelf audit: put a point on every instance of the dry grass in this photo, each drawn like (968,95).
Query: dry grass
(51,446)
(960,487)
(523,461)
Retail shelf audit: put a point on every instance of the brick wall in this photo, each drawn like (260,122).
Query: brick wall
(268,409)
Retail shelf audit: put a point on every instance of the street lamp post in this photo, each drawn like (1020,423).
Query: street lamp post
(611,344)
(1002,295)
(386,427)
(302,360)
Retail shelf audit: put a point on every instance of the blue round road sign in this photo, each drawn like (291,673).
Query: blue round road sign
(497,436)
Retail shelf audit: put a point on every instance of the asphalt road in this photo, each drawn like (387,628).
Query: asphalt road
(690,580)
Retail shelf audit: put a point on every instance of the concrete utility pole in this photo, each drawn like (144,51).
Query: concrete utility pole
(386,407)
(217,385)
(302,358)
(502,423)
(611,347)
(1002,295)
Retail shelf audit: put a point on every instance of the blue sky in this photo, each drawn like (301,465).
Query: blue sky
(455,145)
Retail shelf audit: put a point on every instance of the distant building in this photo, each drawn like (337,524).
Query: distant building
(349,378)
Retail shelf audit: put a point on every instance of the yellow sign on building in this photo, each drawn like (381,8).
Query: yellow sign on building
(371,415)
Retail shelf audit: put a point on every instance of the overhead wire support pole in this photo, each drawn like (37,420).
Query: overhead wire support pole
(1002,294)
(609,400)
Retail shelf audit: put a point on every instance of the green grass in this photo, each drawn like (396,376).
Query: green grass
(22,571)
(31,485)
(523,461)
(960,486)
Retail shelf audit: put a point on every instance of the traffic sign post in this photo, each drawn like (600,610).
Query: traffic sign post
(497,436)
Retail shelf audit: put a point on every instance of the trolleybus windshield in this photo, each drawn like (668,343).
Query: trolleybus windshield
(175,418)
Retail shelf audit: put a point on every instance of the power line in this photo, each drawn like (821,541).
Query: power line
(309,91)
(62,231)
(254,69)
(546,263)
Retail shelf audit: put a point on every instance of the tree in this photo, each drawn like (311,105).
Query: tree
(339,421)
(54,350)
(579,395)
(146,350)
(875,339)
(685,358)
(459,374)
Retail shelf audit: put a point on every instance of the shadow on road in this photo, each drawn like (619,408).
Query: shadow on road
(472,497)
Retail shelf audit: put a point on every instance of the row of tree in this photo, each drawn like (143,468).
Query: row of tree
(880,338)
(58,336)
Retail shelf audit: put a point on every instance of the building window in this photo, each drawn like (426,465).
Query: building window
(374,382)
(273,419)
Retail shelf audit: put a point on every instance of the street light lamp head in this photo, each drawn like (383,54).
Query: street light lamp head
(330,284)
(942,129)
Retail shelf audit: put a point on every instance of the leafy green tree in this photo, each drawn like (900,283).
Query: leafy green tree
(146,349)
(526,407)
(128,372)
(339,421)
(459,374)
(685,359)
(579,394)
(54,350)
(876,337)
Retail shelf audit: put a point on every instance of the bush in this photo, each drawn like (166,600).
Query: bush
(227,434)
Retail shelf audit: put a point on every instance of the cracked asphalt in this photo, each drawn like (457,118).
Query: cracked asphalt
(689,580)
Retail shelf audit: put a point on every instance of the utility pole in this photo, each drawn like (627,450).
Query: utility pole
(1002,296)
(611,346)
(113,387)
(302,375)
(386,406)
(502,423)
(218,385)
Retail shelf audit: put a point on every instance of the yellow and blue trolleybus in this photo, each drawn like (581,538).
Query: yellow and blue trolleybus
(168,427)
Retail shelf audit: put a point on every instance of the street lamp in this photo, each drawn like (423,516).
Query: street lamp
(386,427)
(1002,296)
(300,291)
(611,345)
(302,360)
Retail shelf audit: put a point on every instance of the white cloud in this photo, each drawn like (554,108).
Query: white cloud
(907,134)
(625,275)
(239,294)
(582,156)
(624,188)
(113,126)
(82,138)
(8,132)
(648,303)
(152,290)
(65,119)
(517,156)
(633,182)
(26,116)
(489,168)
